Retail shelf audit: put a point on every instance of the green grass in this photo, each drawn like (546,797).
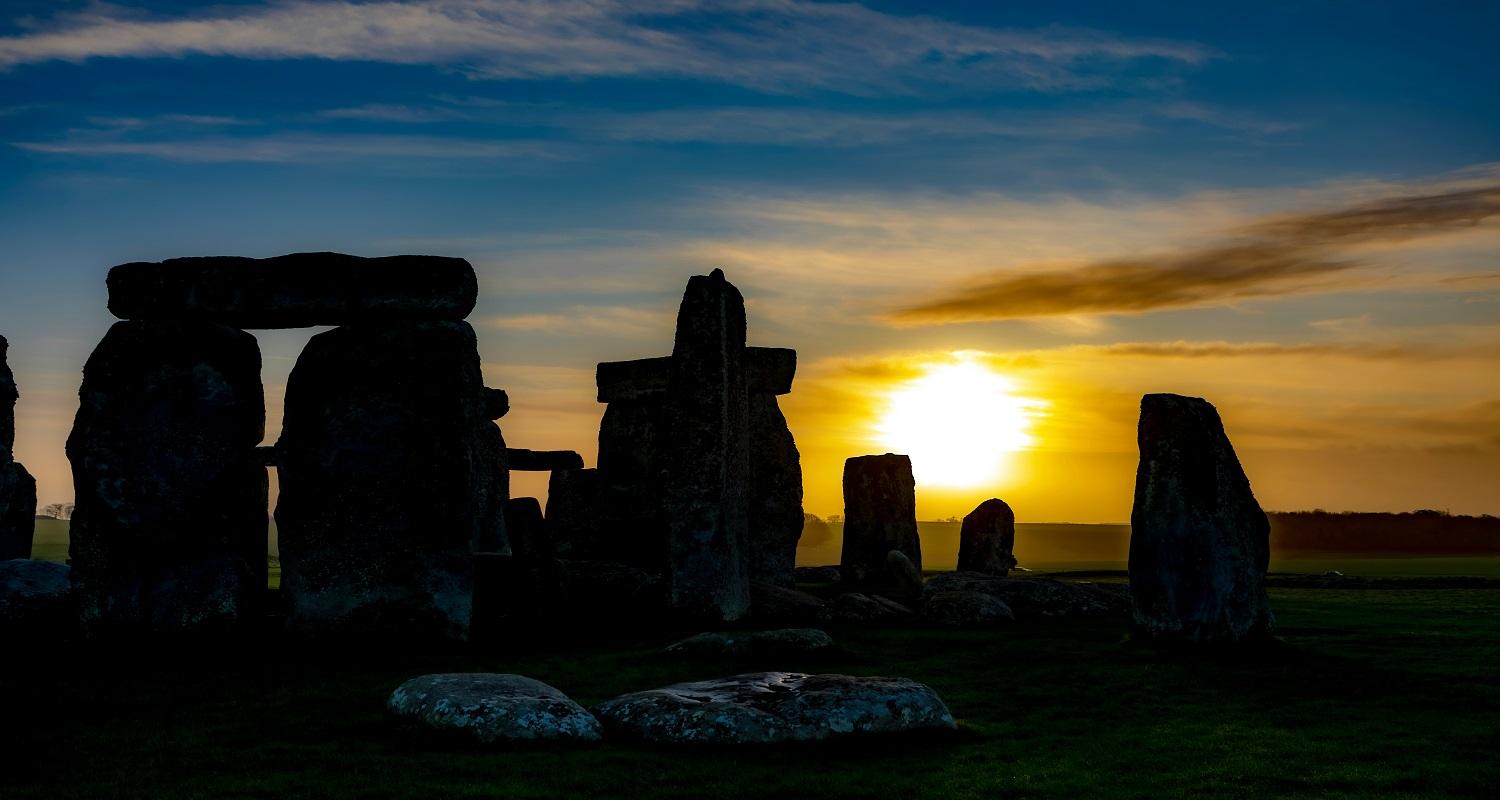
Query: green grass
(1376,693)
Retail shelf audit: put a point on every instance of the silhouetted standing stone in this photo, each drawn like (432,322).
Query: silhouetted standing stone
(880,515)
(987,538)
(294,291)
(572,517)
(388,464)
(707,468)
(169,530)
(775,494)
(632,455)
(17,487)
(1199,542)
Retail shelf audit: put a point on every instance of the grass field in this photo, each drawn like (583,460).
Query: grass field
(1375,693)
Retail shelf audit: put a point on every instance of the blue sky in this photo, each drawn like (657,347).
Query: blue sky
(845,163)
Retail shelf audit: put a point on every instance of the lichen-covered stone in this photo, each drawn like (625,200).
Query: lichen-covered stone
(169,530)
(1199,542)
(966,609)
(390,474)
(705,496)
(880,515)
(780,642)
(775,494)
(987,539)
(35,598)
(772,707)
(294,291)
(490,709)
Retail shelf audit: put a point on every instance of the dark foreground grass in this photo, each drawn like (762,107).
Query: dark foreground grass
(1375,693)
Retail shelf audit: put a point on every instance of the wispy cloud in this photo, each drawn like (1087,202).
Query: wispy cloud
(1280,255)
(774,45)
(298,148)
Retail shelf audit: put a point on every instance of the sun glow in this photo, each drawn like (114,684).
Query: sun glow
(959,422)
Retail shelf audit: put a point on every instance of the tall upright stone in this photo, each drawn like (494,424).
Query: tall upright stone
(169,529)
(775,494)
(17,487)
(388,461)
(880,515)
(707,468)
(987,540)
(572,519)
(1199,542)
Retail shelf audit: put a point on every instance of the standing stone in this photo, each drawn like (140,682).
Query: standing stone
(572,513)
(707,469)
(987,539)
(169,530)
(388,464)
(632,524)
(17,487)
(1199,542)
(775,494)
(880,515)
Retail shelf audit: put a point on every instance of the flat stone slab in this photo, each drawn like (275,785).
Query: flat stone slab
(491,709)
(294,291)
(541,460)
(768,370)
(772,707)
(785,641)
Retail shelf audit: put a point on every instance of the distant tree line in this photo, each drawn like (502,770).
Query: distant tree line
(1426,532)
(63,511)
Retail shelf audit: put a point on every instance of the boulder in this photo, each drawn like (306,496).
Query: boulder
(1199,543)
(1034,598)
(903,579)
(772,603)
(391,474)
(35,598)
(783,642)
(169,530)
(490,709)
(294,291)
(825,574)
(705,496)
(880,515)
(572,512)
(966,609)
(987,539)
(775,494)
(772,707)
(857,610)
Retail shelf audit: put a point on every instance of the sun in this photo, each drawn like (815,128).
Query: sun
(959,422)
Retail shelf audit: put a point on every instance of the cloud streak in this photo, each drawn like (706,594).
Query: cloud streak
(1281,255)
(770,45)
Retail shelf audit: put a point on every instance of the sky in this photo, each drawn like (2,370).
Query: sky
(987,229)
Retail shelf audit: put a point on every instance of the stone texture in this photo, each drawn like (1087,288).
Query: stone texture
(987,539)
(1034,598)
(966,609)
(572,513)
(781,642)
(880,515)
(294,291)
(771,707)
(17,487)
(35,598)
(775,494)
(1199,543)
(169,531)
(391,474)
(779,604)
(863,610)
(705,495)
(490,709)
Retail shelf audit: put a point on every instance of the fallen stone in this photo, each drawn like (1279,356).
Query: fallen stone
(771,707)
(987,539)
(490,709)
(1034,598)
(35,598)
(392,474)
(783,642)
(966,609)
(542,460)
(169,532)
(1199,543)
(863,610)
(880,515)
(903,579)
(294,291)
(775,494)
(705,497)
(824,574)
(772,603)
